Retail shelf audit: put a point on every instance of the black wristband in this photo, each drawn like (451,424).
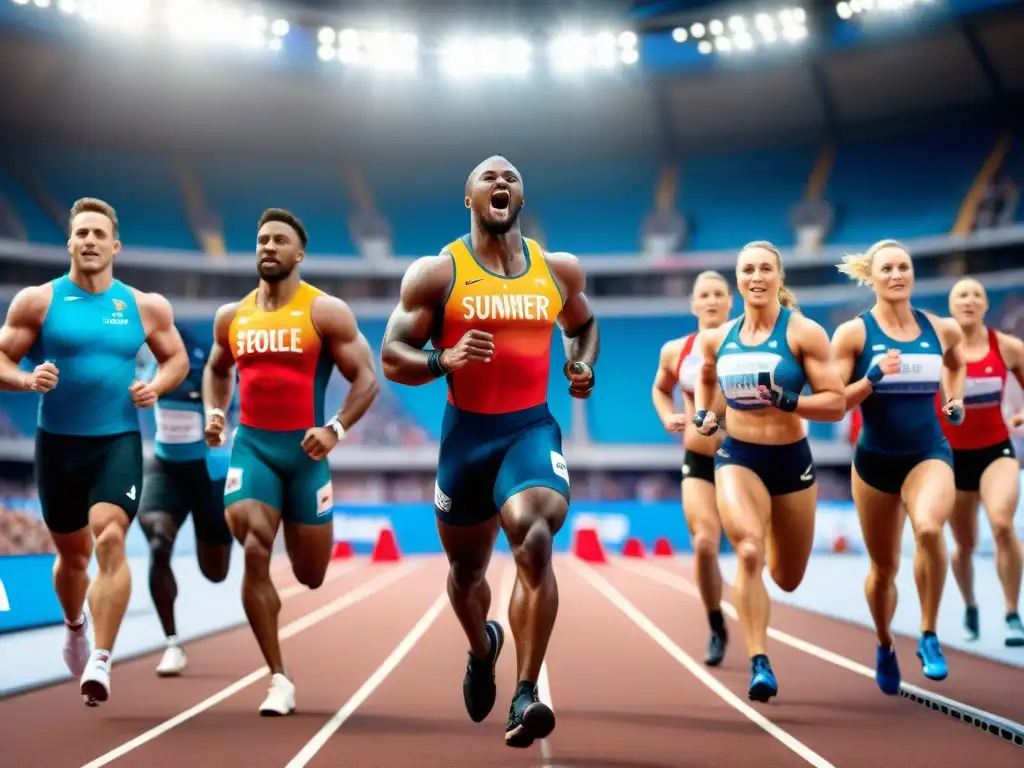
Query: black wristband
(788,401)
(434,364)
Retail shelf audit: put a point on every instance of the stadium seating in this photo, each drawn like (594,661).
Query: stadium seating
(882,187)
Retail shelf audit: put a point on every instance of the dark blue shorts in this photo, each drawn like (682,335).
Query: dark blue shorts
(485,459)
(782,468)
(886,472)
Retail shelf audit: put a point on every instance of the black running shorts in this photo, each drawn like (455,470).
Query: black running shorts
(76,472)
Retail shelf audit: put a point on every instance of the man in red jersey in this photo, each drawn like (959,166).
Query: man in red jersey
(489,303)
(285,338)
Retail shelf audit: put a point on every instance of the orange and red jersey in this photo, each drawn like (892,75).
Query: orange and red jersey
(520,311)
(283,366)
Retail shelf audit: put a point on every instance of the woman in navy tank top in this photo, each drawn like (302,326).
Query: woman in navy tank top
(985,466)
(679,365)
(764,471)
(895,359)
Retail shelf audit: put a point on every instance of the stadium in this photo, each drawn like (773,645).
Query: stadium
(655,139)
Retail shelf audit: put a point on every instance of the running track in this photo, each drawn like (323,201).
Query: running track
(378,660)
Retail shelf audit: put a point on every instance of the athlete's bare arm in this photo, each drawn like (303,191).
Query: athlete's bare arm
(19,332)
(827,401)
(410,326)
(848,342)
(1012,350)
(219,374)
(704,393)
(954,361)
(164,341)
(339,328)
(579,326)
(664,386)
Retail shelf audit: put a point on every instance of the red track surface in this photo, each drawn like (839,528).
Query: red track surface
(619,685)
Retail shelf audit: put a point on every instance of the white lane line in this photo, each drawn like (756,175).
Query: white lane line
(508,582)
(684,585)
(289,630)
(652,630)
(309,751)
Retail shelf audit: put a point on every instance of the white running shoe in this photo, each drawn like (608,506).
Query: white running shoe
(174,660)
(77,646)
(280,697)
(95,684)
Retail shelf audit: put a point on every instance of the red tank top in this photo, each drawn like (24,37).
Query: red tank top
(984,385)
(689,365)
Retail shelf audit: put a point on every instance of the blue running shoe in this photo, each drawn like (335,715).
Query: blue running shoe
(1014,631)
(762,683)
(933,663)
(887,670)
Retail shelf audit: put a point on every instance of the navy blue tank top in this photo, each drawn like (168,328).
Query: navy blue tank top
(93,339)
(899,414)
(742,369)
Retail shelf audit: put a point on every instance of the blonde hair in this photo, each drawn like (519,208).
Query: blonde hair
(786,297)
(857,266)
(711,275)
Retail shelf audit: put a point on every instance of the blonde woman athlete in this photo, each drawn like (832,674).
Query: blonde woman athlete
(894,359)
(985,466)
(679,364)
(765,479)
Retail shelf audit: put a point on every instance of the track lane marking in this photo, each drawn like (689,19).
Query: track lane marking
(652,630)
(300,624)
(684,585)
(373,682)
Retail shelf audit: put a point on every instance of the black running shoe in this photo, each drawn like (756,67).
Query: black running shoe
(716,649)
(478,688)
(528,718)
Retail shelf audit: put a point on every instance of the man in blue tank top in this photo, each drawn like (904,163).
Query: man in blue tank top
(83,331)
(185,476)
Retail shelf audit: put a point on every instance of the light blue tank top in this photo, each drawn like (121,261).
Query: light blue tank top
(181,418)
(93,340)
(742,369)
(899,415)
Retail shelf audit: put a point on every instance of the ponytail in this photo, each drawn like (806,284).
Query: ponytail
(857,266)
(787,298)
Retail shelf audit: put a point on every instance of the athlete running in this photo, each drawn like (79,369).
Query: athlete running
(679,365)
(185,477)
(985,466)
(285,338)
(84,331)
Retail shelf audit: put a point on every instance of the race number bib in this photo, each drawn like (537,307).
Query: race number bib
(177,427)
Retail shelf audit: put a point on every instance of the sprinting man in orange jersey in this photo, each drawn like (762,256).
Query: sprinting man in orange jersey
(284,338)
(489,303)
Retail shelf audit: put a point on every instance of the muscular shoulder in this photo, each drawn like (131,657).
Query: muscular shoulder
(671,350)
(568,270)
(946,328)
(30,305)
(850,335)
(710,340)
(427,279)
(223,317)
(153,305)
(1011,349)
(806,329)
(332,316)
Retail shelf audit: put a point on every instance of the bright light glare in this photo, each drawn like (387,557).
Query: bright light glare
(574,53)
(213,23)
(486,57)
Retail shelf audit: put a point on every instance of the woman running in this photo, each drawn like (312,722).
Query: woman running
(894,358)
(765,481)
(985,466)
(680,364)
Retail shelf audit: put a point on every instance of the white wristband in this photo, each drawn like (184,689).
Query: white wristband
(336,425)
(215,412)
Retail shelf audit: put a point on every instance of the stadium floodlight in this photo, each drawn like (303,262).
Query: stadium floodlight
(697,30)
(20,2)
(382,51)
(847,10)
(680,35)
(575,53)
(716,27)
(705,47)
(463,59)
(212,23)
(67,6)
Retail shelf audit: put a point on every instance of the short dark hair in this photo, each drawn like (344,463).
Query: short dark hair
(285,217)
(94,205)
